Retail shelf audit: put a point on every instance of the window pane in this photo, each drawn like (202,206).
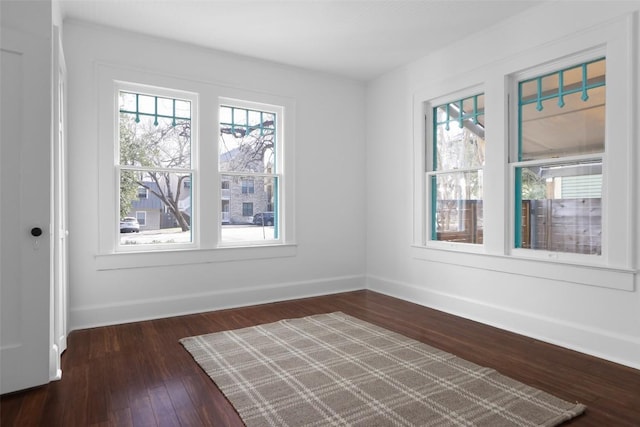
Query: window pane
(248,186)
(255,118)
(558,120)
(249,217)
(162,145)
(458,207)
(247,209)
(183,109)
(127,101)
(142,192)
(561,207)
(247,140)
(166,210)
(146,104)
(459,134)
(165,106)
(142,218)
(576,128)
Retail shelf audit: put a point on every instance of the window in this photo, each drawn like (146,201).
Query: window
(248,186)
(154,154)
(558,160)
(249,150)
(141,216)
(559,186)
(194,190)
(457,148)
(247,209)
(143,193)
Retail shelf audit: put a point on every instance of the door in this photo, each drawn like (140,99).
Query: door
(59,231)
(25,210)
(59,213)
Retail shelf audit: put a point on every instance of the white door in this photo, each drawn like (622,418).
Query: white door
(59,214)
(25,207)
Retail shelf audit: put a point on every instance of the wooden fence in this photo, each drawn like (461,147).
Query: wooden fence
(560,225)
(460,221)
(563,225)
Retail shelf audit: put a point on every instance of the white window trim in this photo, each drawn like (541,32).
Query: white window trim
(284,170)
(550,67)
(615,269)
(205,247)
(612,187)
(169,93)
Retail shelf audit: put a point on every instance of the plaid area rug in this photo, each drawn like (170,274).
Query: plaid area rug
(334,369)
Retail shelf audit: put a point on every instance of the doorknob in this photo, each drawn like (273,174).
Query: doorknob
(36,231)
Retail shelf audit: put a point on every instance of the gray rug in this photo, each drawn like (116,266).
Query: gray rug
(334,369)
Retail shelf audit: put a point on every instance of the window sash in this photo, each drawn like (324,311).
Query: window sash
(472,198)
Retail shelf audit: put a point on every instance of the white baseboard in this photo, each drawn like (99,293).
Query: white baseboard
(155,308)
(604,344)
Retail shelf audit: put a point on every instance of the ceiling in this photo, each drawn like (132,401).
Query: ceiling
(360,39)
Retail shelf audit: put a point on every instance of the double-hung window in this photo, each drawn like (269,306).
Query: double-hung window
(250,159)
(455,161)
(558,159)
(155,155)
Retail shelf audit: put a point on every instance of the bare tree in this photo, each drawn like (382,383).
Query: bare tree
(247,148)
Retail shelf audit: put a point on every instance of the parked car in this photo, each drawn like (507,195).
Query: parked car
(129,225)
(263,218)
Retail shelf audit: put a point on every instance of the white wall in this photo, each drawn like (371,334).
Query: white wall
(596,320)
(330,191)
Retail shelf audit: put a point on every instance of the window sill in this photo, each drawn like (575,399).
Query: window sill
(600,276)
(128,260)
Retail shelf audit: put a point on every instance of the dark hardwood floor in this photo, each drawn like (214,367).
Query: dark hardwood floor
(138,374)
